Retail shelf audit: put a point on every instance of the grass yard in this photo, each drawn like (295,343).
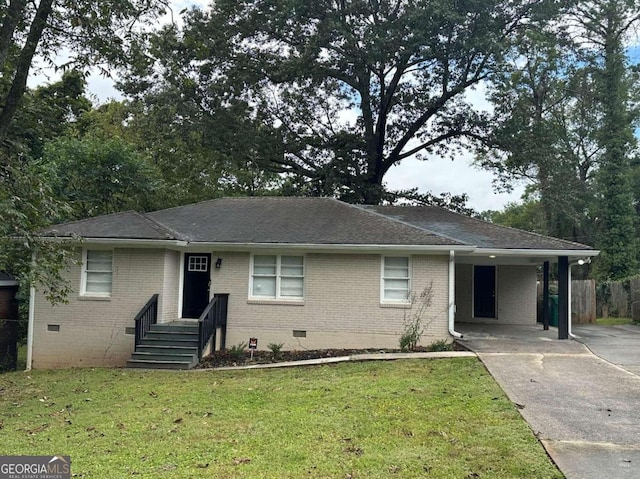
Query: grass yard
(613,321)
(405,419)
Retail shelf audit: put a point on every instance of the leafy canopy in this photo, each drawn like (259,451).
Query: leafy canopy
(350,88)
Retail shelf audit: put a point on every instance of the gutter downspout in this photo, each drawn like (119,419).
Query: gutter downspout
(32,317)
(452,294)
(32,304)
(569,294)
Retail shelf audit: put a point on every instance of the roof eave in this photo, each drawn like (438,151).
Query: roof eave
(117,241)
(334,247)
(543,253)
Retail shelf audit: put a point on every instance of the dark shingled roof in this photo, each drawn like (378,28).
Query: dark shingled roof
(473,231)
(290,220)
(6,276)
(312,221)
(126,225)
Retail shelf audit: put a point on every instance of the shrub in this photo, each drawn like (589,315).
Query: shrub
(276,349)
(413,325)
(237,352)
(440,345)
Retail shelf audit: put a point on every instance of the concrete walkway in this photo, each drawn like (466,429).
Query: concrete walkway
(584,408)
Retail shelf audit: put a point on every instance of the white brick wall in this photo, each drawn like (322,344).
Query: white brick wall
(92,331)
(516,294)
(464,292)
(170,293)
(341,306)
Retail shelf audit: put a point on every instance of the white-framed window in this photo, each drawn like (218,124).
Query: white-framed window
(275,276)
(396,279)
(97,272)
(198,263)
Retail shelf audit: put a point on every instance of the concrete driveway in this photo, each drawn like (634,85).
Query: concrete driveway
(581,397)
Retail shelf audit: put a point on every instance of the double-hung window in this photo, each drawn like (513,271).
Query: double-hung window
(97,272)
(277,277)
(396,279)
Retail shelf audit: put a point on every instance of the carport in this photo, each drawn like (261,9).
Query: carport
(485,276)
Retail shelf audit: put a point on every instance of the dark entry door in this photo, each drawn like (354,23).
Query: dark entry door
(195,297)
(484,292)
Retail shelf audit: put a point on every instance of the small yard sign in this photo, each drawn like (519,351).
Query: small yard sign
(253,344)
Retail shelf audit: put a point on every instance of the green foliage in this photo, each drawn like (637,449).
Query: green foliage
(237,352)
(276,350)
(613,321)
(545,135)
(48,112)
(27,204)
(439,346)
(91,34)
(565,115)
(609,21)
(411,335)
(95,176)
(527,216)
(414,323)
(346,89)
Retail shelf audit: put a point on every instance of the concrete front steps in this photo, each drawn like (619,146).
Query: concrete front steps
(168,346)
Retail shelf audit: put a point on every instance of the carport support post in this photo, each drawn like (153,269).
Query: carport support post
(545,296)
(563,297)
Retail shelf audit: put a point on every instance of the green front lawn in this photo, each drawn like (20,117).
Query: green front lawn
(613,321)
(420,418)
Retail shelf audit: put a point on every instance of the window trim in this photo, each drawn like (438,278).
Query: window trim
(278,298)
(386,301)
(83,275)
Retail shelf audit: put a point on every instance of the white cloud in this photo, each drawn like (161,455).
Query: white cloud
(440,175)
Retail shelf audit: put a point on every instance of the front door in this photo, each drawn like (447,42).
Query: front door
(484,292)
(197,276)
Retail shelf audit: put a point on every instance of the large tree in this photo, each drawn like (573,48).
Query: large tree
(605,25)
(547,119)
(350,87)
(85,32)
(566,114)
(47,32)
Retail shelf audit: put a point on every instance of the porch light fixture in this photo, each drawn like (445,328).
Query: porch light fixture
(492,256)
(218,263)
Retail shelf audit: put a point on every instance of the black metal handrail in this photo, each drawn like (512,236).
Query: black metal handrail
(147,316)
(213,317)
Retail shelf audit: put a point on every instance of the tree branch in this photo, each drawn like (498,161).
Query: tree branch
(9,24)
(19,83)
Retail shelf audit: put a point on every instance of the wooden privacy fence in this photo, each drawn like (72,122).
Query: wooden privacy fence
(607,299)
(583,300)
(619,299)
